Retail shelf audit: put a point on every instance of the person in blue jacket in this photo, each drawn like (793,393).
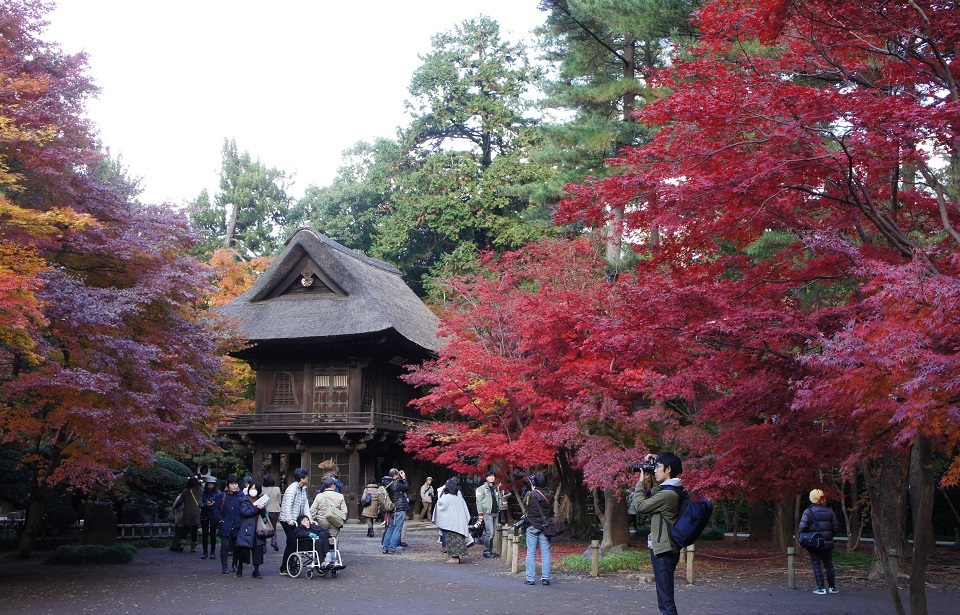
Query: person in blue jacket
(226,513)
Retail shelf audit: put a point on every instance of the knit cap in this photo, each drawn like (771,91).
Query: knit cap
(816,496)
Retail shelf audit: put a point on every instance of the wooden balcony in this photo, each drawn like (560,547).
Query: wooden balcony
(312,421)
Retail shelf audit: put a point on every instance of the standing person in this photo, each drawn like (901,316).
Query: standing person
(226,512)
(663,506)
(273,506)
(294,504)
(489,498)
(186,511)
(539,504)
(248,548)
(818,518)
(426,498)
(328,498)
(372,510)
(452,516)
(396,485)
(208,527)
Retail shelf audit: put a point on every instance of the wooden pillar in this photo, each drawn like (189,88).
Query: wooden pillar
(275,466)
(357,484)
(257,473)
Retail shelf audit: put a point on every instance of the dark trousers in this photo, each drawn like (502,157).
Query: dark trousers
(824,558)
(275,521)
(664,566)
(291,546)
(208,532)
(227,545)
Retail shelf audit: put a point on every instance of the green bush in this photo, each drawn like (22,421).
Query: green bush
(713,533)
(76,555)
(612,562)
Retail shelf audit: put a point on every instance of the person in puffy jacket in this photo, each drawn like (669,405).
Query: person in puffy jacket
(248,548)
(226,512)
(818,518)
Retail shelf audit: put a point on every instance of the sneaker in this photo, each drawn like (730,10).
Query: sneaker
(489,555)
(545,581)
(283,573)
(834,590)
(529,582)
(820,592)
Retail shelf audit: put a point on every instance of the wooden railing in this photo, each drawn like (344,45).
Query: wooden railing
(318,419)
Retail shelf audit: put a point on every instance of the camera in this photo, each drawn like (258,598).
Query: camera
(643,466)
(519,525)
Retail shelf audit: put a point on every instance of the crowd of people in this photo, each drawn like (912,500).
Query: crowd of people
(245,518)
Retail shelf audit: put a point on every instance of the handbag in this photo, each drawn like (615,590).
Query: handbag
(335,516)
(811,540)
(264,527)
(553,525)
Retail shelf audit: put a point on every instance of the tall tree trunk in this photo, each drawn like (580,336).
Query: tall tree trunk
(760,530)
(886,482)
(616,525)
(579,525)
(853,514)
(39,495)
(783,525)
(628,102)
(921,499)
(231,225)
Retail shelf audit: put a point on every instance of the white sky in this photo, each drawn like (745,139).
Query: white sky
(295,82)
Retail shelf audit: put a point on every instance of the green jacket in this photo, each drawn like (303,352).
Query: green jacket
(663,506)
(485,504)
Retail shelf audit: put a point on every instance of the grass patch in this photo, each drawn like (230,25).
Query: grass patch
(852,561)
(77,555)
(627,561)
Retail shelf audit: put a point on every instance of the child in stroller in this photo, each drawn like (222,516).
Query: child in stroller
(316,553)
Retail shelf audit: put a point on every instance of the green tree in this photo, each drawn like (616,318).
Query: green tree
(250,209)
(601,53)
(350,208)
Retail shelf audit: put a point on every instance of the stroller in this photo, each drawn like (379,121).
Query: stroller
(307,559)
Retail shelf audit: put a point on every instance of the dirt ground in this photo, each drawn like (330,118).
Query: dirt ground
(159,581)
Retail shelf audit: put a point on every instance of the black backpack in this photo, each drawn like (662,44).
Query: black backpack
(693,518)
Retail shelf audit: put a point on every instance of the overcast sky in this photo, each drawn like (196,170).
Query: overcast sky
(294,82)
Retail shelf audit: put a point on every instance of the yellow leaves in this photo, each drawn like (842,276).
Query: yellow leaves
(234,275)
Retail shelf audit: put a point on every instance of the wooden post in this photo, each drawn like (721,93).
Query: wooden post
(497,539)
(791,568)
(507,547)
(595,558)
(894,562)
(690,551)
(515,554)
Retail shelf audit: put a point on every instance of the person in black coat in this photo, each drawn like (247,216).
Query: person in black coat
(307,530)
(249,547)
(819,518)
(226,513)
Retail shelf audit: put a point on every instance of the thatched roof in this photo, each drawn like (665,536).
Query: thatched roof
(319,289)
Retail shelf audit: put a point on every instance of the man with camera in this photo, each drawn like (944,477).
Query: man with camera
(489,497)
(663,506)
(397,486)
